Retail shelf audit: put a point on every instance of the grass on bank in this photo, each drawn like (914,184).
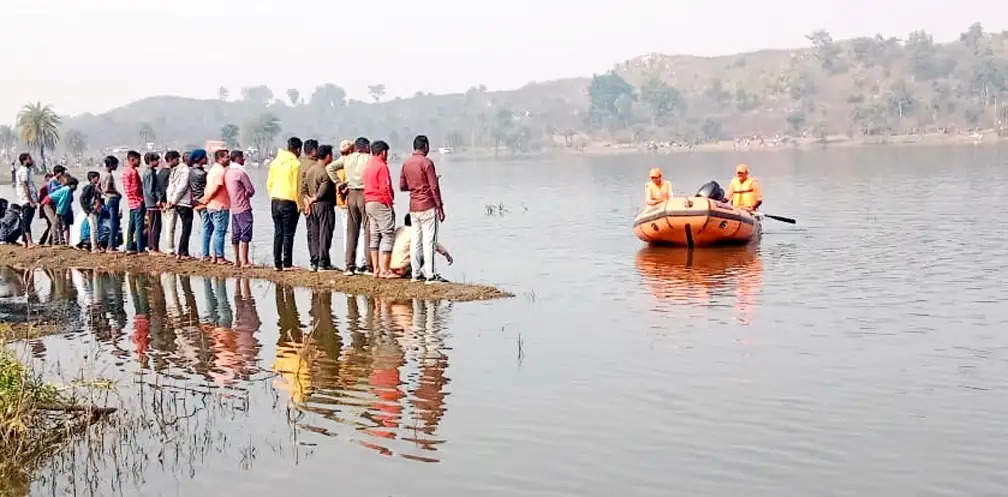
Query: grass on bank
(36,420)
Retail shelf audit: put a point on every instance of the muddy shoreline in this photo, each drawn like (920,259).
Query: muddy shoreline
(66,257)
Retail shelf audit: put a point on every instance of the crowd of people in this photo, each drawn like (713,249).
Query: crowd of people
(305,179)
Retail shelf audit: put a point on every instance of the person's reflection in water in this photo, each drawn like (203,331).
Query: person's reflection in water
(159,323)
(226,362)
(167,315)
(12,283)
(325,370)
(704,277)
(141,320)
(293,362)
(428,399)
(109,328)
(387,358)
(356,360)
(190,341)
(246,324)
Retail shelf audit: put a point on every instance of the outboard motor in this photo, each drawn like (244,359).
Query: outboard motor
(712,190)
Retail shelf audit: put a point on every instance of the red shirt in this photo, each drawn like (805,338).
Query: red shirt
(377,182)
(420,179)
(132,187)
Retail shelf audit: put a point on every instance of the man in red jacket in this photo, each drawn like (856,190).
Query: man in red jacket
(426,209)
(378,196)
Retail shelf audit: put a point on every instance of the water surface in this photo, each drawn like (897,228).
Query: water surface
(856,353)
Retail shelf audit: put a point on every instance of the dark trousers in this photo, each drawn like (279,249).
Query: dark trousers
(321,223)
(27,216)
(112,204)
(285,220)
(154,229)
(185,215)
(356,217)
(137,239)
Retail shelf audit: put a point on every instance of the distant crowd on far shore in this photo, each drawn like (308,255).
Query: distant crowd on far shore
(351,185)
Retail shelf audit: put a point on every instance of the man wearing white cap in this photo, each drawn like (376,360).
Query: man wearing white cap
(744,191)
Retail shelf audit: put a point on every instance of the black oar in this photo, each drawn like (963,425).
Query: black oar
(781,218)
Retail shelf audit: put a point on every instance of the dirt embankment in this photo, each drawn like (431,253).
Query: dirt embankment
(66,257)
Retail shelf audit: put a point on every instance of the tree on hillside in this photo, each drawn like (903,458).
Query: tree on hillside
(872,119)
(222,93)
(76,142)
(988,77)
(293,94)
(603,91)
(259,95)
(901,98)
(328,97)
(262,131)
(502,124)
(624,108)
(377,91)
(715,91)
(921,50)
(745,101)
(229,134)
(711,129)
(796,121)
(39,127)
(662,100)
(825,50)
(973,38)
(146,133)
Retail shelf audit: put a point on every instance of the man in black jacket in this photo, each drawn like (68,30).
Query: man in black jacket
(91,204)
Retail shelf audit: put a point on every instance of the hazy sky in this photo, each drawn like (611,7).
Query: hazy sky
(91,56)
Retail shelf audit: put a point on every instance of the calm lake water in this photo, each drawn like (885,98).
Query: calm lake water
(857,353)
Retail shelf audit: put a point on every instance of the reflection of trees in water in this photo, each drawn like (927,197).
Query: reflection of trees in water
(387,381)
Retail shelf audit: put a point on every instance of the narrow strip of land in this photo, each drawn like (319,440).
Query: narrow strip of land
(66,257)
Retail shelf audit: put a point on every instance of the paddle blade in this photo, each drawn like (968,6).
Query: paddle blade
(781,219)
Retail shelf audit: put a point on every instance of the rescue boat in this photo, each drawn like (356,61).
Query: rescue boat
(696,222)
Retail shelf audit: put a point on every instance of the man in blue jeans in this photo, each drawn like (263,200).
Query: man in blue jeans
(110,197)
(218,205)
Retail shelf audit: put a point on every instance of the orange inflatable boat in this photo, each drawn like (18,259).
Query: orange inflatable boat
(696,222)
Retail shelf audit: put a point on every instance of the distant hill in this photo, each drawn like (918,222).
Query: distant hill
(870,86)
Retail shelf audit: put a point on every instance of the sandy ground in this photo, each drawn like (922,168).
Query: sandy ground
(66,257)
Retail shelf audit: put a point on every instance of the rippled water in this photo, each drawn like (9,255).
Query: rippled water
(860,352)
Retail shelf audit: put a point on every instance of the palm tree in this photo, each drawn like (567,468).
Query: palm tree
(146,133)
(76,142)
(377,91)
(38,126)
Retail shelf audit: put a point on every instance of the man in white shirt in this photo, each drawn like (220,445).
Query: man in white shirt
(400,263)
(27,195)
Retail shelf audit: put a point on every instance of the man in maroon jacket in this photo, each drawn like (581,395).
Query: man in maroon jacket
(426,209)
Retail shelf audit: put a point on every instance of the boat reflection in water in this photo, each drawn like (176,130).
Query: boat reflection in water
(714,276)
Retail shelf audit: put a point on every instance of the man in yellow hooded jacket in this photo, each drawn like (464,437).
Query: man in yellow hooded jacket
(283,182)
(744,191)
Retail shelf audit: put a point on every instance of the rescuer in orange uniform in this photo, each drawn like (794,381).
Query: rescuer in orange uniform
(744,191)
(657,191)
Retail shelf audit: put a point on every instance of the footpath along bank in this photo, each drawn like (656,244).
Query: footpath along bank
(65,257)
